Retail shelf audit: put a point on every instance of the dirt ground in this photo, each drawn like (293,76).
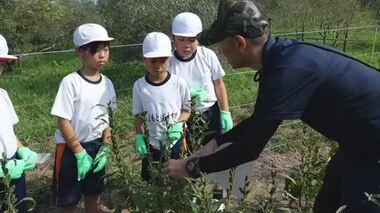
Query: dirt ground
(39,180)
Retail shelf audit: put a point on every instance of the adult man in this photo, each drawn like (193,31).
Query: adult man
(335,94)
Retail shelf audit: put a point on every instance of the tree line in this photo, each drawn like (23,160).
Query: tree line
(41,25)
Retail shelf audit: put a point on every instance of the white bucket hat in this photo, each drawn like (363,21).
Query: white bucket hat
(87,33)
(157,45)
(4,51)
(186,24)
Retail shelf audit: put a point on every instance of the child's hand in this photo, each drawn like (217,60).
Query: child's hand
(28,156)
(84,164)
(140,145)
(226,120)
(101,158)
(175,131)
(198,94)
(15,168)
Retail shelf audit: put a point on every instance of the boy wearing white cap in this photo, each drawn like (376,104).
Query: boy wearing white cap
(201,69)
(165,99)
(20,158)
(83,132)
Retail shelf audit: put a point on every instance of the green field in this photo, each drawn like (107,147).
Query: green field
(33,82)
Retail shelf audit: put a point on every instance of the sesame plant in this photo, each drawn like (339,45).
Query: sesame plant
(302,186)
(160,194)
(8,202)
(374,198)
(267,204)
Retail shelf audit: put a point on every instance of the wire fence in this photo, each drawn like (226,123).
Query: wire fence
(373,27)
(371,41)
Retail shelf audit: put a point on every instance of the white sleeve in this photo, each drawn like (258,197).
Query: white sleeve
(185,94)
(64,101)
(113,95)
(217,71)
(137,107)
(12,112)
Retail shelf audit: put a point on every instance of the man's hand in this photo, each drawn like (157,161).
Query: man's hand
(175,131)
(175,169)
(28,156)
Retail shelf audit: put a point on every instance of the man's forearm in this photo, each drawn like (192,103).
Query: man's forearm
(251,138)
(233,136)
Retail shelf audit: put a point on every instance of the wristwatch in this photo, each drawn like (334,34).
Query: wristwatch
(192,167)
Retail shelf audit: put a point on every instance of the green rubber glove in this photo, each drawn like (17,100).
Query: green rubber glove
(226,120)
(28,156)
(140,145)
(101,158)
(84,164)
(198,94)
(15,168)
(175,131)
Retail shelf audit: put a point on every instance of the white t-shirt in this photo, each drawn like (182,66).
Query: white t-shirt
(8,118)
(199,71)
(84,103)
(160,101)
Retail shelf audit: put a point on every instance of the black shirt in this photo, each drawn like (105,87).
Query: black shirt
(333,93)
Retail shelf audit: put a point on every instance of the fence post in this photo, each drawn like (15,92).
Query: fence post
(345,38)
(374,44)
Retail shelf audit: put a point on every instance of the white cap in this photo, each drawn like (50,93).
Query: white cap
(4,51)
(87,33)
(157,45)
(186,24)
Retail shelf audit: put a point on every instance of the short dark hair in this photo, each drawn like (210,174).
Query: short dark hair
(93,46)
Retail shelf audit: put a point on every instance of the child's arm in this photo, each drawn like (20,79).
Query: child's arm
(19,144)
(138,123)
(221,94)
(107,135)
(184,116)
(69,136)
(225,115)
(139,139)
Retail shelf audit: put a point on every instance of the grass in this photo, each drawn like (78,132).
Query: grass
(33,83)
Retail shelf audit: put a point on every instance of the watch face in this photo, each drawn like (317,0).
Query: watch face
(190,166)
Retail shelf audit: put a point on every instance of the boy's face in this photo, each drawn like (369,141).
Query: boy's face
(157,66)
(96,60)
(185,46)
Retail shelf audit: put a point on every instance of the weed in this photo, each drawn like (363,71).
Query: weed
(9,202)
(301,187)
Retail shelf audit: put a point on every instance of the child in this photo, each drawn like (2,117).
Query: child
(20,158)
(165,99)
(81,110)
(204,75)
